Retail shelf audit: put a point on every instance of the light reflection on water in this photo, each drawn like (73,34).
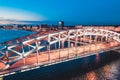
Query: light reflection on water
(109,71)
(91,76)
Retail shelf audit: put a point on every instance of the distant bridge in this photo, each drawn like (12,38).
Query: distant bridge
(56,47)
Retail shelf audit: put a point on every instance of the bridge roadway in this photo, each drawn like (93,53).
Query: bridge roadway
(65,53)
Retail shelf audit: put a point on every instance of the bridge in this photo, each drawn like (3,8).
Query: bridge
(55,47)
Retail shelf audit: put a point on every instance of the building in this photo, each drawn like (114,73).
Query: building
(15,26)
(43,26)
(61,24)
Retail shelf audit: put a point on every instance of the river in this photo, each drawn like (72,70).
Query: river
(104,66)
(6,35)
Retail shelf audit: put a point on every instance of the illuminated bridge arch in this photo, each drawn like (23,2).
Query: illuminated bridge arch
(35,44)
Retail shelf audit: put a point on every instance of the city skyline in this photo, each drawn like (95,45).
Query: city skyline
(72,12)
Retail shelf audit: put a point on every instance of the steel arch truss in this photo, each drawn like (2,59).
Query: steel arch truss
(17,52)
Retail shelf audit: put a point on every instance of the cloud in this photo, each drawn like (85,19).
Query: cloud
(11,21)
(5,19)
(12,14)
(17,16)
(1,17)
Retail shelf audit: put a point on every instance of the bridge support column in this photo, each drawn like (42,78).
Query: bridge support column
(76,43)
(7,56)
(55,46)
(101,42)
(68,44)
(23,52)
(49,47)
(72,44)
(96,37)
(90,43)
(63,44)
(59,45)
(83,43)
(37,53)
(106,38)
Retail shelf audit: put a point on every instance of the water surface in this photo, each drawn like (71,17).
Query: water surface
(6,35)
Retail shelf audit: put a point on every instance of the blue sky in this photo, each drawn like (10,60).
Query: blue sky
(71,11)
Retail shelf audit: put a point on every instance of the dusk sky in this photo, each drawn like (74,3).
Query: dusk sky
(70,11)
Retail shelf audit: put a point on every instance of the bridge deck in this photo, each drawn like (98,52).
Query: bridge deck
(31,60)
